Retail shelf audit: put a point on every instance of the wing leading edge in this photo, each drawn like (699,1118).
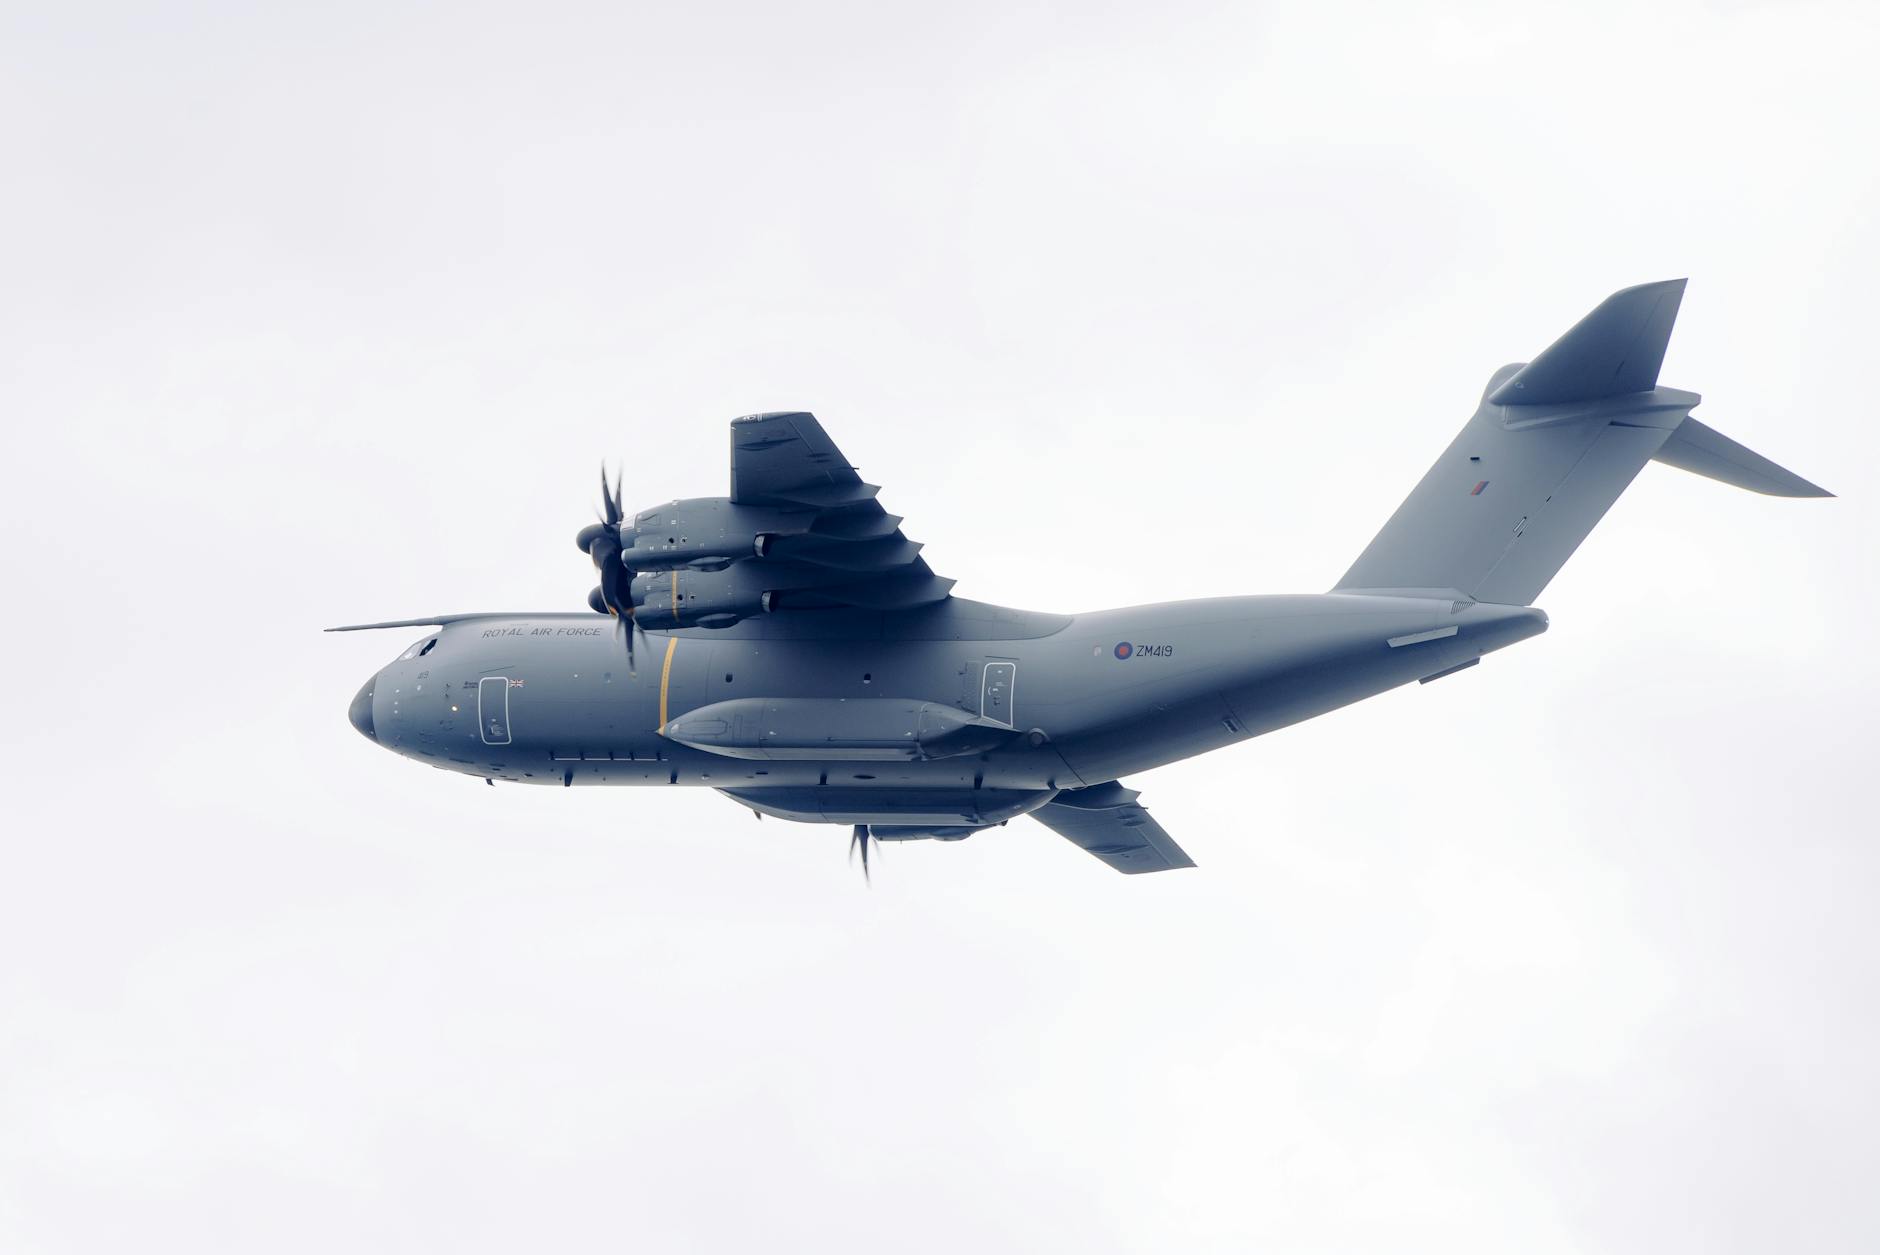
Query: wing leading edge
(1107,821)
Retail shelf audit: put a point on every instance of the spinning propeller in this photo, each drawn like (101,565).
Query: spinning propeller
(859,839)
(601,542)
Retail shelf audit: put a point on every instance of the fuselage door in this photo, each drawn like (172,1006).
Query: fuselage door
(995,692)
(493,709)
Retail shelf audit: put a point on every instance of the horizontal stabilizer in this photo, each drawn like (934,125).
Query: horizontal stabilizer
(1107,821)
(1614,350)
(1708,452)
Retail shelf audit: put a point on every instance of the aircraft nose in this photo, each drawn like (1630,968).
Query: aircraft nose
(360,712)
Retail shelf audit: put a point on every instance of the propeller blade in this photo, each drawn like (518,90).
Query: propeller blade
(611,513)
(606,557)
(859,838)
(601,542)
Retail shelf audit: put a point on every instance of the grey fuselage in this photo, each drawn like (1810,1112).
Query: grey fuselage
(840,681)
(550,699)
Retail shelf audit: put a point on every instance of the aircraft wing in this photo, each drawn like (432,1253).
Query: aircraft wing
(843,548)
(1106,820)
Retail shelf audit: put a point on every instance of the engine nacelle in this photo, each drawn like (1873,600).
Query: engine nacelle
(693,598)
(700,533)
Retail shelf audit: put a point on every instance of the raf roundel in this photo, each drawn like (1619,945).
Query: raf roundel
(1124,649)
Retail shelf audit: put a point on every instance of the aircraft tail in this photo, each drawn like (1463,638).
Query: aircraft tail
(1552,445)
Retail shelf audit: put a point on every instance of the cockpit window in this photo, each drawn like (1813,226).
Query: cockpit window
(419,650)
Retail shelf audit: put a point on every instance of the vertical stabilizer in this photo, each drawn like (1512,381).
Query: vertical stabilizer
(1552,445)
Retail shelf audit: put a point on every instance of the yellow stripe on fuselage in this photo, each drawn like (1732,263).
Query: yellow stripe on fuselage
(665,679)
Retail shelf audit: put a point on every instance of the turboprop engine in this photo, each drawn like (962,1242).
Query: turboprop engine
(701,534)
(690,598)
(713,561)
(676,565)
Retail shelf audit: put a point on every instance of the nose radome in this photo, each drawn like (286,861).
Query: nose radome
(360,712)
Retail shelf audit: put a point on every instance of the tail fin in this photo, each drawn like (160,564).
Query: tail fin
(1552,445)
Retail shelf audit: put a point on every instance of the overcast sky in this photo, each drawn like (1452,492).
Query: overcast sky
(327,313)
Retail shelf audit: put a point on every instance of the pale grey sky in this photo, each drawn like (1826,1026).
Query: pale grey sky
(326,313)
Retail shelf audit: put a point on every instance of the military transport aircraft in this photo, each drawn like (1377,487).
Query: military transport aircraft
(788,646)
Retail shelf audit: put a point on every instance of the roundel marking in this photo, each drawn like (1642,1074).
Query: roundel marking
(1124,649)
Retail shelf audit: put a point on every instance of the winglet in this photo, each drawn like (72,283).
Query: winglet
(1616,349)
